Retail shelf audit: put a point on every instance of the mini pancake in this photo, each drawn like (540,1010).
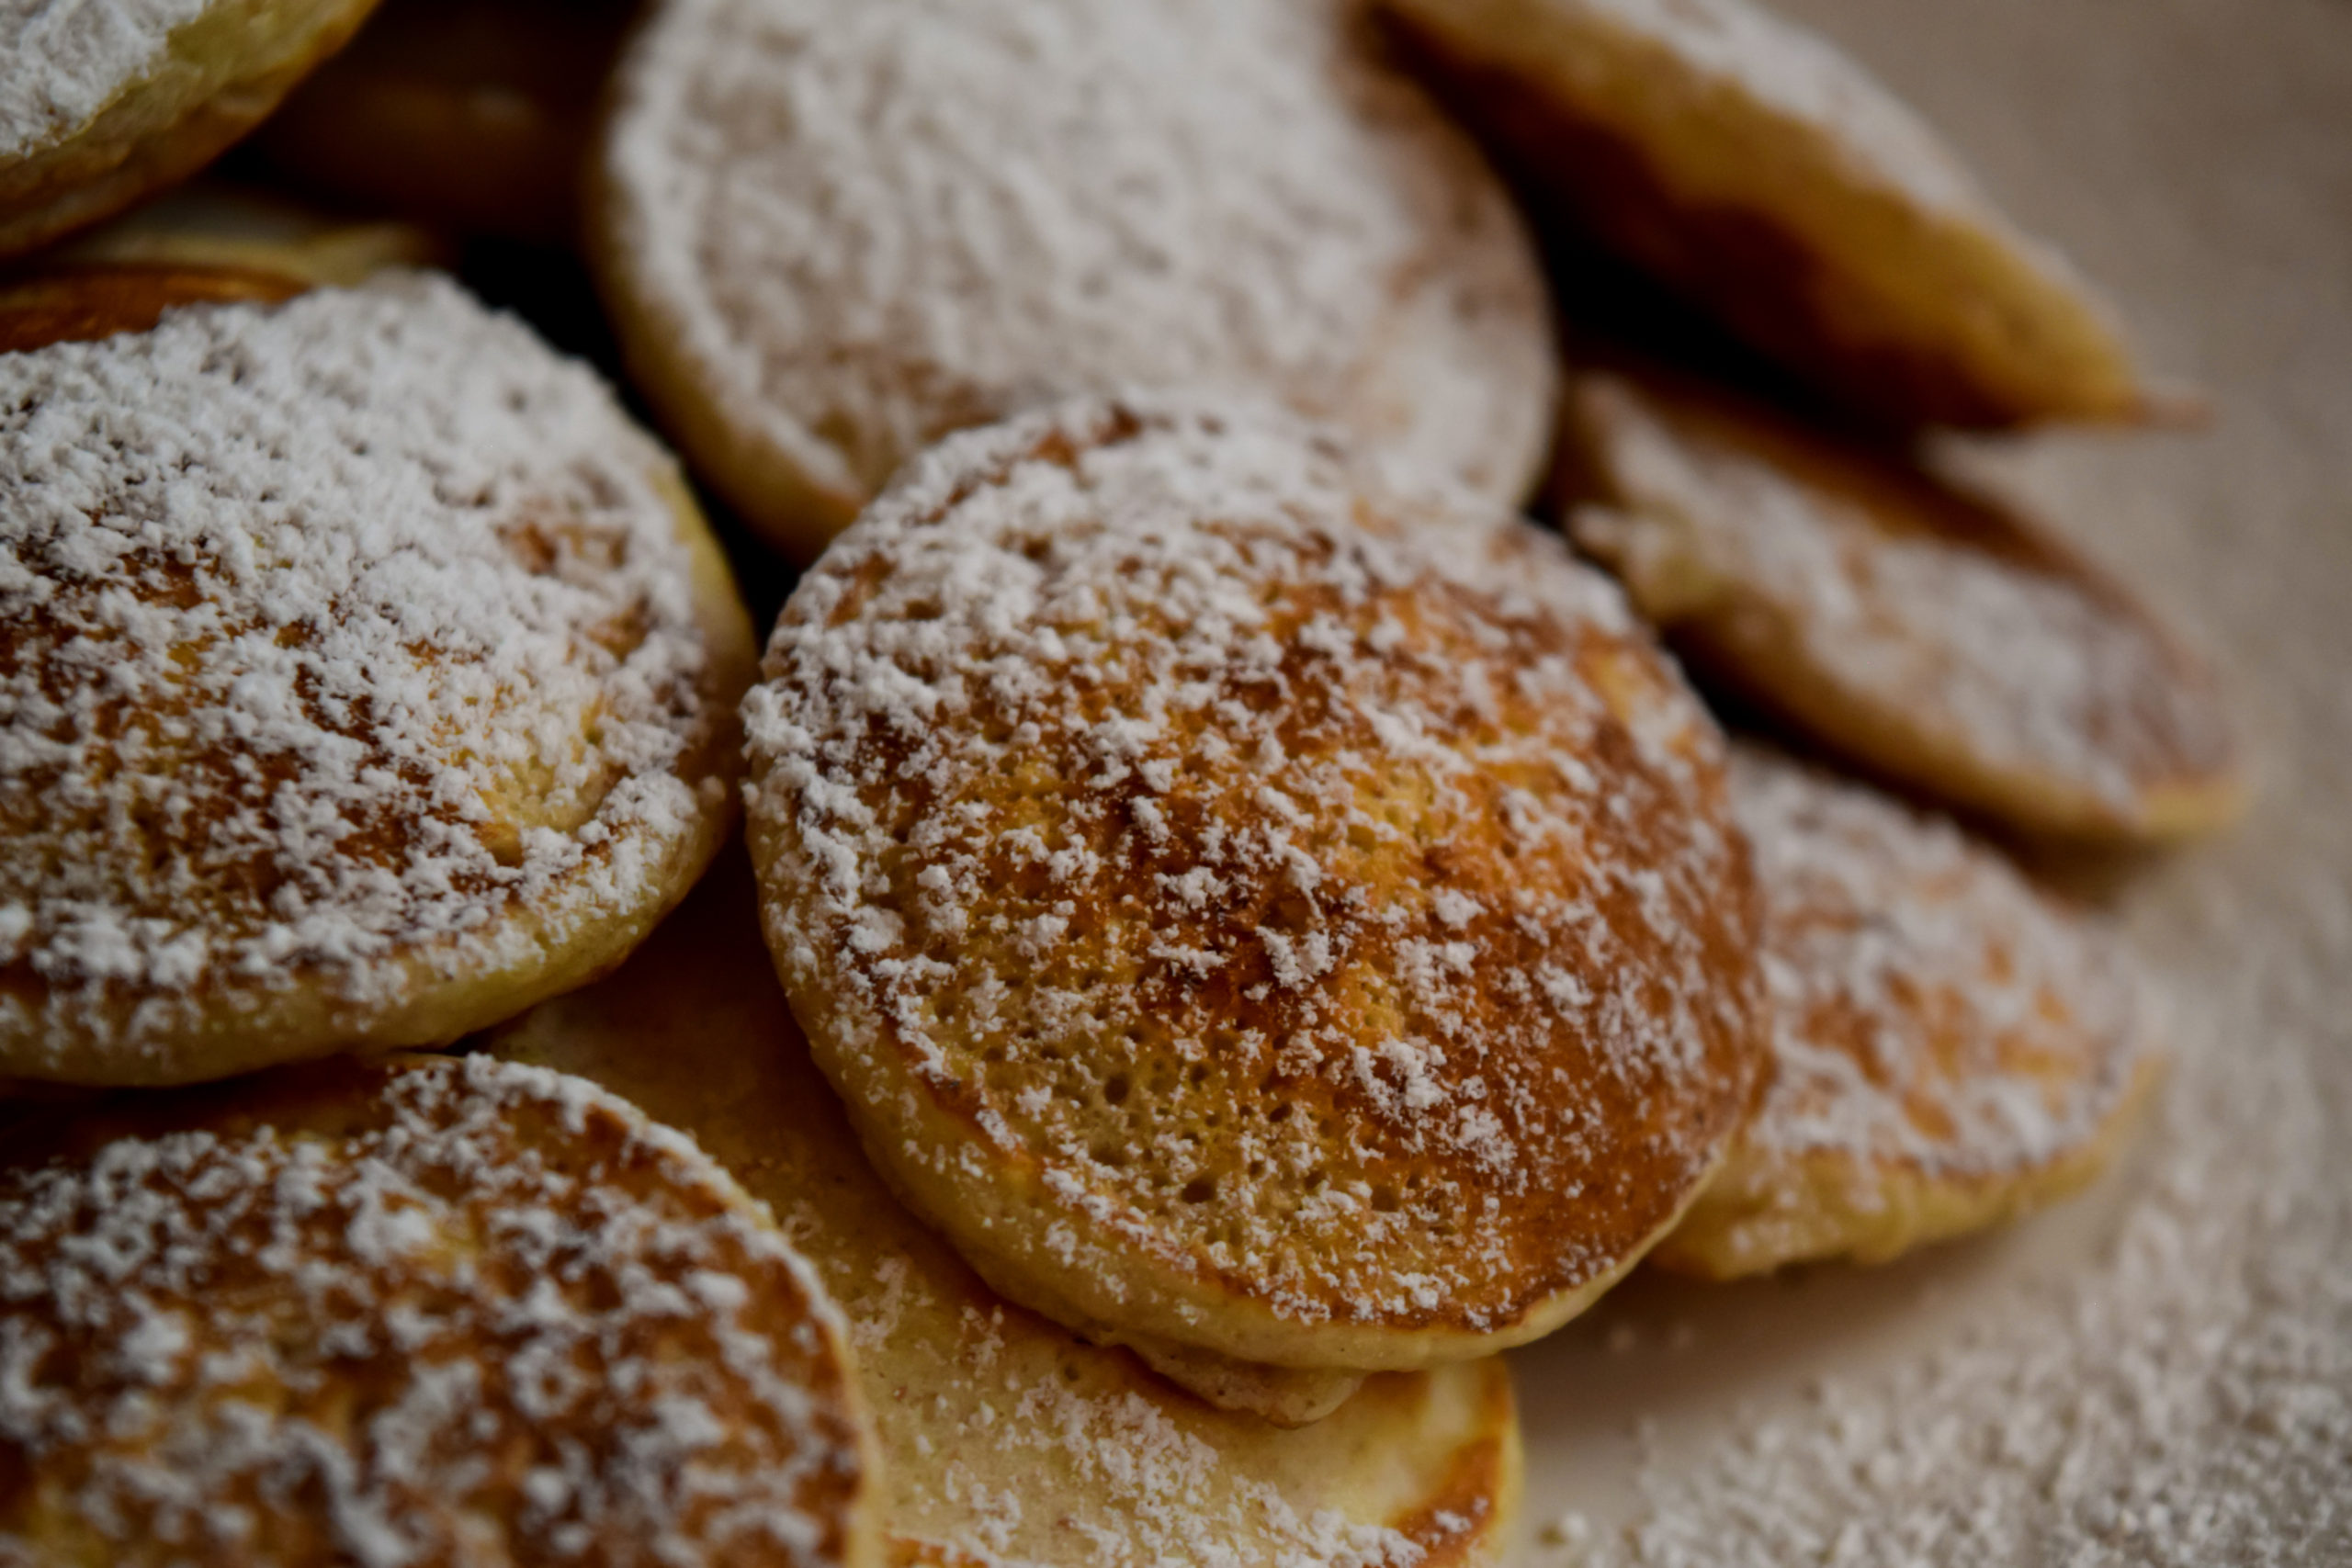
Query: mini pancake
(1942,640)
(1246,905)
(102,105)
(428,1311)
(829,238)
(201,244)
(365,677)
(1950,1047)
(1773,181)
(473,115)
(1005,1438)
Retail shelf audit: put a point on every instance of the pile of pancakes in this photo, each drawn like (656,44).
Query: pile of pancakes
(1229,900)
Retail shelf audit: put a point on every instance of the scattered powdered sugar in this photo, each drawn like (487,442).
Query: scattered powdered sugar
(342,640)
(451,1313)
(2028,671)
(866,226)
(60,63)
(1334,890)
(2180,1398)
(1930,1008)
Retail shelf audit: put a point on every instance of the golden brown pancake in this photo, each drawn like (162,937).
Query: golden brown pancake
(365,676)
(204,243)
(829,238)
(102,105)
(423,1312)
(1950,1047)
(470,114)
(1751,166)
(1939,639)
(1005,1438)
(1246,904)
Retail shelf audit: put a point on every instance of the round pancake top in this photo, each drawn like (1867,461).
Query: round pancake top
(60,64)
(1946,612)
(443,1312)
(1929,1008)
(328,634)
(867,227)
(1329,892)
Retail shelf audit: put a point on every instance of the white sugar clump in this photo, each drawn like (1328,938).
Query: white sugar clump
(60,64)
(336,634)
(499,1308)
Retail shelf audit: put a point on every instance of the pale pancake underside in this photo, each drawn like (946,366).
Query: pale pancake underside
(1769,179)
(220,73)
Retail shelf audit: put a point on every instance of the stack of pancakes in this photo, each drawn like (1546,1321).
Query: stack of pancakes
(1222,909)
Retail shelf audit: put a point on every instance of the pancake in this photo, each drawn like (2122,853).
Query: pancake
(1246,905)
(415,1313)
(473,115)
(1771,180)
(1950,1047)
(201,244)
(1004,1439)
(101,105)
(828,238)
(365,677)
(1942,640)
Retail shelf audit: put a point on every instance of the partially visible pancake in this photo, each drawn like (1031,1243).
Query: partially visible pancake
(365,676)
(1246,904)
(470,114)
(1750,165)
(829,236)
(104,104)
(425,1312)
(201,244)
(1005,1438)
(1950,1047)
(1939,639)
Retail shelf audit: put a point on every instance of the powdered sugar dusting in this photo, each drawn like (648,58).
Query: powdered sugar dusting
(60,64)
(869,225)
(449,1312)
(346,644)
(1331,887)
(1929,1008)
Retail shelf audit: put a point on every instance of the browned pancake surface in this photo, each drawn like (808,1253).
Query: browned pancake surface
(1234,919)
